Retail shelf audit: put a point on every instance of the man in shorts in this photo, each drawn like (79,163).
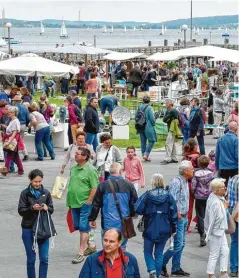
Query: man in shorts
(81,190)
(108,102)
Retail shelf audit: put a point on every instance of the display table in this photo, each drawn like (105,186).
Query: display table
(120,91)
(120,132)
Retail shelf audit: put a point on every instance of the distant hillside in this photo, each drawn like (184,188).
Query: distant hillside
(230,21)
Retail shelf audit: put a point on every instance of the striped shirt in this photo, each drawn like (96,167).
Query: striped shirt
(233,190)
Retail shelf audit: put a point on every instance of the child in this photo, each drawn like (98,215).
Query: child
(201,190)
(212,161)
(133,168)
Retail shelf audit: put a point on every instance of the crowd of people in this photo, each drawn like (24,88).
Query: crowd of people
(102,180)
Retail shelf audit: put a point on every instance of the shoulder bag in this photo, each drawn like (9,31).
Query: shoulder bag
(101,168)
(128,230)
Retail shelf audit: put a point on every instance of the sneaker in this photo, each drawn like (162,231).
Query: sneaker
(78,259)
(152,275)
(225,276)
(25,158)
(174,161)
(202,240)
(234,274)
(89,250)
(165,162)
(180,273)
(164,272)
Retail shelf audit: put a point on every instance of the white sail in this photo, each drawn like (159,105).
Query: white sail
(125,29)
(226,30)
(42,29)
(194,29)
(198,31)
(141,29)
(202,29)
(104,29)
(134,28)
(165,29)
(112,29)
(162,31)
(180,29)
(63,33)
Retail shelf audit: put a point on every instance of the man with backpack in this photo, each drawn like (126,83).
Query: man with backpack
(170,147)
(144,124)
(196,124)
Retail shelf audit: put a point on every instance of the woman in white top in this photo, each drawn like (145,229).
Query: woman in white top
(106,154)
(12,137)
(70,155)
(42,134)
(215,224)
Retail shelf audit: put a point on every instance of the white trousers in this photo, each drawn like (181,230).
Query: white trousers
(170,147)
(218,249)
(136,186)
(217,121)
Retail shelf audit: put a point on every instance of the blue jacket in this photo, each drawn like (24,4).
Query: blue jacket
(227,152)
(4,96)
(149,131)
(23,114)
(160,214)
(94,266)
(196,121)
(104,200)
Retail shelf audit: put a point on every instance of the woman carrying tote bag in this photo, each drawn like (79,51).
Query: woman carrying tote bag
(35,201)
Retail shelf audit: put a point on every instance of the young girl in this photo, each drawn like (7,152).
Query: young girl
(133,168)
(211,165)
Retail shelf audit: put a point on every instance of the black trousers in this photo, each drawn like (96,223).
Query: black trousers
(80,85)
(200,206)
(226,174)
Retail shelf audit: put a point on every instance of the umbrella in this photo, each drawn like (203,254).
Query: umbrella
(80,49)
(32,65)
(121,56)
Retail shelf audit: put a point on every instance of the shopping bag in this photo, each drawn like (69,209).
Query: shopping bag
(69,220)
(1,152)
(59,187)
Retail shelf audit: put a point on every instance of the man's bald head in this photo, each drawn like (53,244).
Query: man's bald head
(233,127)
(115,169)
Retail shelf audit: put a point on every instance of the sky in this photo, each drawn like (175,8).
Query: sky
(113,10)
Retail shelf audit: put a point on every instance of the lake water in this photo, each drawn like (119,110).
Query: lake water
(117,39)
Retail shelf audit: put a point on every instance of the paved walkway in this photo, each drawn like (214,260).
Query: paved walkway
(12,255)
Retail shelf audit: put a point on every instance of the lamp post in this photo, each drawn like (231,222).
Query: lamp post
(191,30)
(9,25)
(184,29)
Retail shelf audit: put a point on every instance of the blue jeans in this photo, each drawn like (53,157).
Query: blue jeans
(145,149)
(179,243)
(154,263)
(43,136)
(92,139)
(234,251)
(185,134)
(43,246)
(200,139)
(44,147)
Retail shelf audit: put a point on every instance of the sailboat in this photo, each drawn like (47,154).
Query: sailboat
(141,29)
(42,29)
(125,29)
(180,29)
(112,30)
(134,29)
(162,31)
(104,29)
(202,29)
(165,29)
(63,34)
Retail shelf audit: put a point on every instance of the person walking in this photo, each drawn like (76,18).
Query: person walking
(201,191)
(233,199)
(81,79)
(184,111)
(210,108)
(159,210)
(178,188)
(148,133)
(105,155)
(226,158)
(218,111)
(92,123)
(112,261)
(33,199)
(196,124)
(215,223)
(136,79)
(170,147)
(133,168)
(24,119)
(81,190)
(104,201)
(42,135)
(91,87)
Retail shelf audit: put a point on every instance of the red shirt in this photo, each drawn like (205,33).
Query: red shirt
(72,115)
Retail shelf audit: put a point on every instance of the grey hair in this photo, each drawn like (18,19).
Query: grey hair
(169,101)
(216,184)
(184,165)
(13,109)
(157,181)
(115,168)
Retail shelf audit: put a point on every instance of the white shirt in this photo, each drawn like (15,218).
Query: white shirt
(101,158)
(14,125)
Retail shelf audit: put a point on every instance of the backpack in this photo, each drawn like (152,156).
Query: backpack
(182,119)
(140,121)
(78,113)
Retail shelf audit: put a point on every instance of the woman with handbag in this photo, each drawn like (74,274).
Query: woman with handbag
(12,142)
(106,154)
(216,224)
(33,200)
(159,212)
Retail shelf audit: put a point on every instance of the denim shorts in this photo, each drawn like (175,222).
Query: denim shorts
(81,218)
(106,103)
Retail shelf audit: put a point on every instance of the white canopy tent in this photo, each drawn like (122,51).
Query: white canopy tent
(121,56)
(32,65)
(230,58)
(200,51)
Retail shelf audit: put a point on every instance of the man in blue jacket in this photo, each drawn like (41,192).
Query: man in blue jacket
(104,200)
(226,158)
(111,261)
(24,119)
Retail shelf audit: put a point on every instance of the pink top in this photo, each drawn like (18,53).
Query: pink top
(134,171)
(212,166)
(91,86)
(233,118)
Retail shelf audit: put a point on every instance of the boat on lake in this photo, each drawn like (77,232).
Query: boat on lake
(63,33)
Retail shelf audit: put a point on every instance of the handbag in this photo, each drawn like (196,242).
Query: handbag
(231,225)
(101,168)
(69,220)
(140,225)
(128,230)
(43,228)
(59,187)
(10,147)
